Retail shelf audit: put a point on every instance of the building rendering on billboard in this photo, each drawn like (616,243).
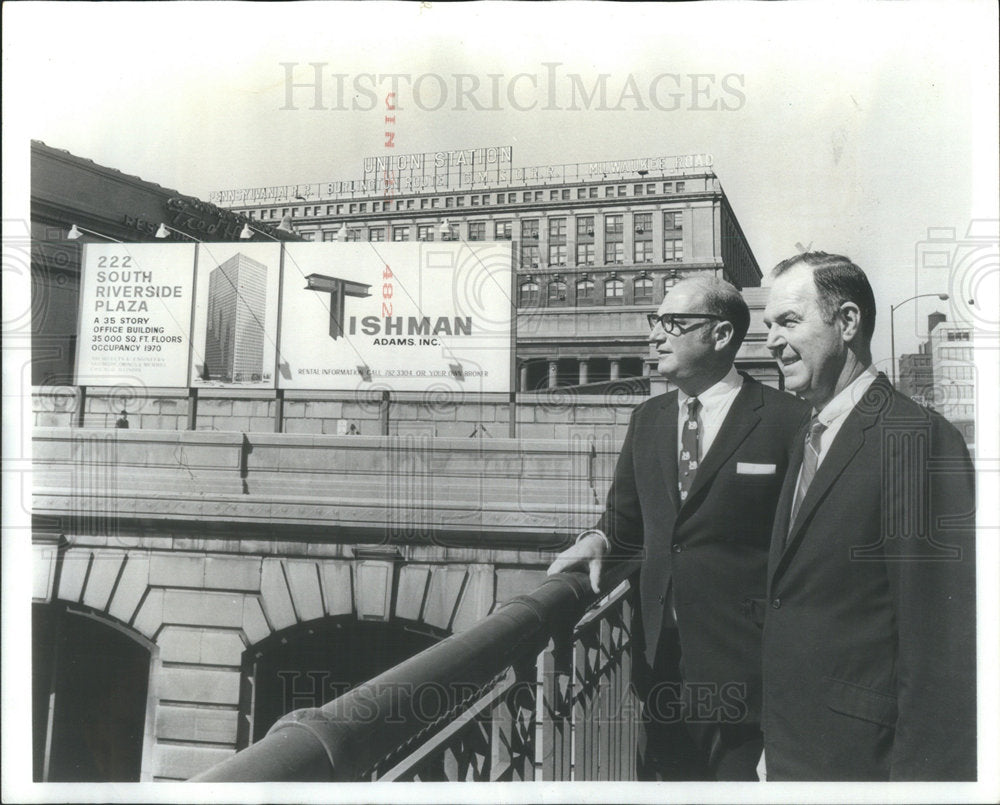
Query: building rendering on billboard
(234,341)
(332,316)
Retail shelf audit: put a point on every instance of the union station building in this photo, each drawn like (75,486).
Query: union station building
(596,245)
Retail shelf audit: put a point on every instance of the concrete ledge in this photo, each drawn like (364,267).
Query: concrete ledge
(341,520)
(343,488)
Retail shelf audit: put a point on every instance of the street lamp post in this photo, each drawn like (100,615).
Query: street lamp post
(892,324)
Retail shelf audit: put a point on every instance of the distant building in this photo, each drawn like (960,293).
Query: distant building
(942,374)
(950,347)
(916,376)
(596,245)
(234,332)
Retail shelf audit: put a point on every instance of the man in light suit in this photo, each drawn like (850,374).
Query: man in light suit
(869,653)
(693,494)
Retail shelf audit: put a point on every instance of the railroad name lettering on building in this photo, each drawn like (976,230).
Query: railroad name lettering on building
(468,168)
(440,159)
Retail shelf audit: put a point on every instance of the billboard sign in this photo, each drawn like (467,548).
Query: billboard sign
(135,314)
(396,316)
(371,316)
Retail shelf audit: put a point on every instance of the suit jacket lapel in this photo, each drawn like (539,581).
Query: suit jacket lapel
(845,445)
(666,447)
(742,418)
(779,532)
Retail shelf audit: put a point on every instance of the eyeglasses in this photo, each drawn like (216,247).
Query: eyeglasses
(671,326)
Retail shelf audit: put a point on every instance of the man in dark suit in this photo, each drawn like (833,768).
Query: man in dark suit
(693,494)
(869,653)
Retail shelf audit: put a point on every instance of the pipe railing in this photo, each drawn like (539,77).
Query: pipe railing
(532,691)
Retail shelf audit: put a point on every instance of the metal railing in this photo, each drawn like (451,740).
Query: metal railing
(539,690)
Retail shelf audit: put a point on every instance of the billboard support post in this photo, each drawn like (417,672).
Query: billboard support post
(192,409)
(383,413)
(81,406)
(279,410)
(279,393)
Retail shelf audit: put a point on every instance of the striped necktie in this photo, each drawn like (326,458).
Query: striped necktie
(690,442)
(810,461)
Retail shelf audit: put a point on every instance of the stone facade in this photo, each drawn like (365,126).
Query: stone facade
(201,557)
(200,611)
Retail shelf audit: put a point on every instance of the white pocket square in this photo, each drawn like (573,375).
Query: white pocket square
(748,468)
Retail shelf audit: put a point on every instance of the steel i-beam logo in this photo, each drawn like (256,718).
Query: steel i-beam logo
(339,290)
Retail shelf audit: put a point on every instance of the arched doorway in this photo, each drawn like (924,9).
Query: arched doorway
(89,695)
(313,663)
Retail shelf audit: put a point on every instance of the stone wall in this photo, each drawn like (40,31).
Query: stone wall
(558,414)
(199,611)
(201,545)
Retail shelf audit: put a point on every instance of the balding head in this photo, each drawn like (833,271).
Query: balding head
(697,331)
(720,298)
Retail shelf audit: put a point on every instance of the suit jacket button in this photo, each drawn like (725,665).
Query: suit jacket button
(676,549)
(776,603)
(662,599)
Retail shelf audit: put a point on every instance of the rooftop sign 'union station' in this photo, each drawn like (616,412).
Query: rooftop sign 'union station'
(452,170)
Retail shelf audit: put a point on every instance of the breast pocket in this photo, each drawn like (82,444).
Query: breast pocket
(752,498)
(756,469)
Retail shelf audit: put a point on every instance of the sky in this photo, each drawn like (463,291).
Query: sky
(854,128)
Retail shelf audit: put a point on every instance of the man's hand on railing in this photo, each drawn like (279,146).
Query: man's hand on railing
(587,551)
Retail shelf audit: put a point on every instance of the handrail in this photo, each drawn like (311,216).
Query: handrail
(345,739)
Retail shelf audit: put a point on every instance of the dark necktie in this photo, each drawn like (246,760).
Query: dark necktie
(690,444)
(810,460)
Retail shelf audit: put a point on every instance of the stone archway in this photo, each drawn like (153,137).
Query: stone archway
(198,611)
(90,679)
(312,663)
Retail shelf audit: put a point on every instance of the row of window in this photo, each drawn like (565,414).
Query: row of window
(957,372)
(473,200)
(529,292)
(642,228)
(614,253)
(558,254)
(956,353)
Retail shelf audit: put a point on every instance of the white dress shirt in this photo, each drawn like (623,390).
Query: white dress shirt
(835,412)
(715,404)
